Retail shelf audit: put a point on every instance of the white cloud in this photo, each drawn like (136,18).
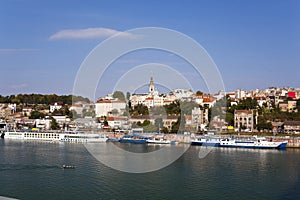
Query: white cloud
(89,33)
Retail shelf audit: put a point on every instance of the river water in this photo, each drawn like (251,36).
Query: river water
(32,170)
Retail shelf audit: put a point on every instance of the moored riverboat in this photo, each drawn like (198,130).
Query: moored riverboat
(135,139)
(254,143)
(56,136)
(206,141)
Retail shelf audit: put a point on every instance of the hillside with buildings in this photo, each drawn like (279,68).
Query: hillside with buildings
(181,110)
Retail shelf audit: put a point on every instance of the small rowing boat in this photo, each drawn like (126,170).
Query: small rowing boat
(68,166)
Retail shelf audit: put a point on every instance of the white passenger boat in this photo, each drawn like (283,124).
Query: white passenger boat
(159,140)
(82,137)
(55,136)
(255,142)
(206,141)
(48,136)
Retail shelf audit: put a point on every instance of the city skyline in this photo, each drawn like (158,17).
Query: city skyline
(254,44)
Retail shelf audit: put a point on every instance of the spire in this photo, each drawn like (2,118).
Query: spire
(151,85)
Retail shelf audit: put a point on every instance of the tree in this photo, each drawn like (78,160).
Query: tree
(105,123)
(146,123)
(54,125)
(88,113)
(263,124)
(139,110)
(158,122)
(36,115)
(247,104)
(114,112)
(179,125)
(165,130)
(127,96)
(199,93)
(229,118)
(298,105)
(119,95)
(158,110)
(150,128)
(173,108)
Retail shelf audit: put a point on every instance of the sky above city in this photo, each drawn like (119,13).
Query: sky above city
(254,44)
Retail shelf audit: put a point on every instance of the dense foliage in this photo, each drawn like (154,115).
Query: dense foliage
(119,95)
(41,99)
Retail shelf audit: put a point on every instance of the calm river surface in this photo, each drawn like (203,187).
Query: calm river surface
(32,170)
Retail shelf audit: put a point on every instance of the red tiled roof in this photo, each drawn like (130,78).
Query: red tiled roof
(243,111)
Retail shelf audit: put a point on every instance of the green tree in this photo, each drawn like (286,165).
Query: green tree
(139,110)
(165,130)
(158,110)
(246,104)
(263,124)
(54,125)
(114,112)
(173,108)
(105,122)
(36,115)
(186,107)
(119,95)
(298,105)
(229,118)
(179,125)
(146,123)
(199,93)
(158,122)
(150,128)
(88,113)
(127,96)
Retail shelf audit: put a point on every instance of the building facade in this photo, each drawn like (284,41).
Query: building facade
(104,106)
(244,120)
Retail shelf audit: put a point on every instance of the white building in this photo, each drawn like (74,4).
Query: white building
(105,106)
(42,123)
(199,116)
(61,119)
(13,107)
(118,122)
(244,119)
(55,106)
(77,107)
(182,93)
(151,99)
(240,94)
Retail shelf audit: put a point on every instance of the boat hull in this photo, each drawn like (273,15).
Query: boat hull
(210,144)
(281,145)
(206,141)
(134,141)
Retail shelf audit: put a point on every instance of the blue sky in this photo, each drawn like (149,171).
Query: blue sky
(255,44)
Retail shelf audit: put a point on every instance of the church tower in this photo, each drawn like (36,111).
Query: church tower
(151,86)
